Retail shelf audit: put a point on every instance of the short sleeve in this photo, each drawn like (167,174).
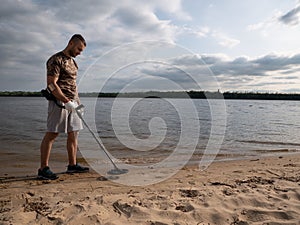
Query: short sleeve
(53,67)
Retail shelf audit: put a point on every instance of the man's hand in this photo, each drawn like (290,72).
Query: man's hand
(70,106)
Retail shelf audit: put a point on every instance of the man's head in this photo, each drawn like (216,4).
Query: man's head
(76,45)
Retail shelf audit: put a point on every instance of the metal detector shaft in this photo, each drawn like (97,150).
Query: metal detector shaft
(97,140)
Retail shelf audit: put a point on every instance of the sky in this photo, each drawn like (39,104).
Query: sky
(230,45)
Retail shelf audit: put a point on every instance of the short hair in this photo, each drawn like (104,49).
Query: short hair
(78,37)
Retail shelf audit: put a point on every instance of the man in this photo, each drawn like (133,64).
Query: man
(61,81)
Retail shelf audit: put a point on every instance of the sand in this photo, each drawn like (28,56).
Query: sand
(250,191)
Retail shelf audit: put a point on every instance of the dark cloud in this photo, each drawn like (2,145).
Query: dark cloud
(31,31)
(235,73)
(292,90)
(241,72)
(174,74)
(253,67)
(192,60)
(24,45)
(286,77)
(291,17)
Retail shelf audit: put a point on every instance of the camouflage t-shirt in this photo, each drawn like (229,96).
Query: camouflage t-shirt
(65,68)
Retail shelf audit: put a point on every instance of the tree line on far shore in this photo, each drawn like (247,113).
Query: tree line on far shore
(171,94)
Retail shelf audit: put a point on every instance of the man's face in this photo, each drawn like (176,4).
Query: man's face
(77,48)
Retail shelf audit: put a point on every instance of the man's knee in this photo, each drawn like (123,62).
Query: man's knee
(50,136)
(72,136)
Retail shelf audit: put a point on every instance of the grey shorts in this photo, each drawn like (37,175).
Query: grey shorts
(61,120)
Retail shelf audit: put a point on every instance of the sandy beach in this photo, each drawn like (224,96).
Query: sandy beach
(252,191)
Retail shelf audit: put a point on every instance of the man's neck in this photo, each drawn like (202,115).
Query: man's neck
(66,52)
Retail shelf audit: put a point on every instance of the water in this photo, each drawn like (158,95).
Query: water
(252,128)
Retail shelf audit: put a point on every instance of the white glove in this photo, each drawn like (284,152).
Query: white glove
(71,106)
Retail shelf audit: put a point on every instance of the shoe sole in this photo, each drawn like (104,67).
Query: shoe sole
(46,178)
(76,171)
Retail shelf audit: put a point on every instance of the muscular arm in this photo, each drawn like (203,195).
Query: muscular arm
(57,91)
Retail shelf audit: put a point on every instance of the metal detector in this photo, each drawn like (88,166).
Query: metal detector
(116,170)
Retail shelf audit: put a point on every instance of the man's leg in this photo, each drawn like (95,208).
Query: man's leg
(72,147)
(46,146)
(72,144)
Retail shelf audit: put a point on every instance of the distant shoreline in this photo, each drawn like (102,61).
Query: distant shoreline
(171,94)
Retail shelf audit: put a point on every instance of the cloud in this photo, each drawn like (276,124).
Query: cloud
(241,73)
(173,8)
(268,22)
(107,23)
(143,25)
(292,17)
(197,32)
(243,66)
(244,73)
(24,44)
(272,72)
(220,38)
(33,30)
(225,40)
